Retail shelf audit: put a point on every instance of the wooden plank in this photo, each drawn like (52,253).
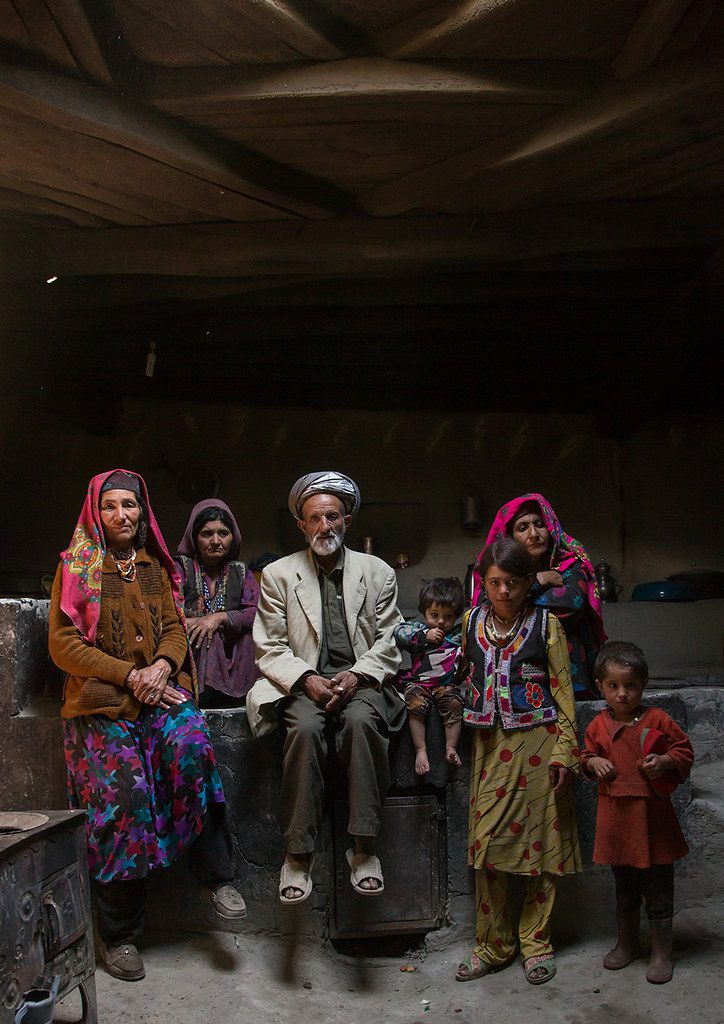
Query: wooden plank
(357,247)
(688,167)
(514,161)
(316,38)
(71,19)
(704,17)
(33,151)
(649,36)
(564,30)
(633,162)
(76,203)
(14,203)
(207,32)
(563,278)
(364,88)
(43,32)
(89,111)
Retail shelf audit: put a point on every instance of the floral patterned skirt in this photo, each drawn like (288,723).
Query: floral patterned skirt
(146,784)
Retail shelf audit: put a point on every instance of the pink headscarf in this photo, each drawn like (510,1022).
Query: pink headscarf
(80,596)
(565,550)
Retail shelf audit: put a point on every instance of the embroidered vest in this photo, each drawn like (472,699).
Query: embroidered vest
(193,599)
(510,682)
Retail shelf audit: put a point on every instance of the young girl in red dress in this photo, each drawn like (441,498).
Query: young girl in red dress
(638,755)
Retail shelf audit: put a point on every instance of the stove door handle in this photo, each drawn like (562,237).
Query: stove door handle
(54,919)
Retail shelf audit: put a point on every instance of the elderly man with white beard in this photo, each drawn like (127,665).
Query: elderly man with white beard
(323,635)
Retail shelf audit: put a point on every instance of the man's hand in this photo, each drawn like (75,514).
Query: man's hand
(602,768)
(435,636)
(318,689)
(344,686)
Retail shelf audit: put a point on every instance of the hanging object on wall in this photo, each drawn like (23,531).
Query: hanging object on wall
(151,359)
(472,520)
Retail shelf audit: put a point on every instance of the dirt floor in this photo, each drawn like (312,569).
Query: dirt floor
(221,977)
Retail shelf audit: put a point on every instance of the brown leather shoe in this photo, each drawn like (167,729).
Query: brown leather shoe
(122,962)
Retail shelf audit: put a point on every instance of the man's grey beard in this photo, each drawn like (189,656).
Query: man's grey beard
(327,545)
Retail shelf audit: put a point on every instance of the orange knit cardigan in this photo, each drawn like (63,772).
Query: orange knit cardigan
(138,624)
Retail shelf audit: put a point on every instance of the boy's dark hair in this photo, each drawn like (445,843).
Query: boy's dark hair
(445,590)
(623,653)
(509,555)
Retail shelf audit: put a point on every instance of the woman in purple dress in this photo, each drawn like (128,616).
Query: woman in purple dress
(220,598)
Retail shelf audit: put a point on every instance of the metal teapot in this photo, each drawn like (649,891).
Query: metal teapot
(608,586)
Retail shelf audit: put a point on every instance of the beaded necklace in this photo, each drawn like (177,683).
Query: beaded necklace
(126,566)
(500,638)
(218,602)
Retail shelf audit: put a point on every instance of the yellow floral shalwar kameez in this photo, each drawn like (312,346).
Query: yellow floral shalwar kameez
(517,824)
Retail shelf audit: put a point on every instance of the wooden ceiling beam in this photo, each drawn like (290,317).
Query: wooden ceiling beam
(77,32)
(79,107)
(312,38)
(358,247)
(649,36)
(153,296)
(375,87)
(514,161)
(456,28)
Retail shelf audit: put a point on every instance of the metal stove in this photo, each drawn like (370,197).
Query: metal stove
(45,924)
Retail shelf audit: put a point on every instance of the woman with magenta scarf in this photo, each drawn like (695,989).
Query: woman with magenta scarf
(138,753)
(565,581)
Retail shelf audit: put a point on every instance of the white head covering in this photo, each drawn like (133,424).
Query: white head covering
(327,482)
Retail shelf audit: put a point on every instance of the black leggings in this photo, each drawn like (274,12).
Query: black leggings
(654,884)
(121,905)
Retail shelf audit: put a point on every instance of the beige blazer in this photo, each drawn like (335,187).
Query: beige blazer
(288,626)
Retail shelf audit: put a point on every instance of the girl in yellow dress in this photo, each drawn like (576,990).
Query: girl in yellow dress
(525,752)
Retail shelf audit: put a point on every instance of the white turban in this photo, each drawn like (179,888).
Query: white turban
(328,482)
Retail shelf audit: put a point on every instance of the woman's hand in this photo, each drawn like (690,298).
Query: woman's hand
(549,578)
(560,778)
(654,765)
(602,768)
(201,630)
(149,684)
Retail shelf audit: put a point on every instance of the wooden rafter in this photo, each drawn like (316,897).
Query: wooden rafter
(375,87)
(454,28)
(650,36)
(68,104)
(520,164)
(298,30)
(356,247)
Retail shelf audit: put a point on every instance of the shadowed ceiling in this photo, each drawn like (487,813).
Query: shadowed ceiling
(465,202)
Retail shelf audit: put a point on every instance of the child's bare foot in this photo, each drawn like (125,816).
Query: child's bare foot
(452,756)
(422,765)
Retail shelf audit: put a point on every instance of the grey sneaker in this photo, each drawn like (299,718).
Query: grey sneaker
(122,962)
(226,901)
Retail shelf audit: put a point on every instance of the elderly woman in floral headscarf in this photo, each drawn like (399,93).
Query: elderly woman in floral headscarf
(220,599)
(565,581)
(138,754)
